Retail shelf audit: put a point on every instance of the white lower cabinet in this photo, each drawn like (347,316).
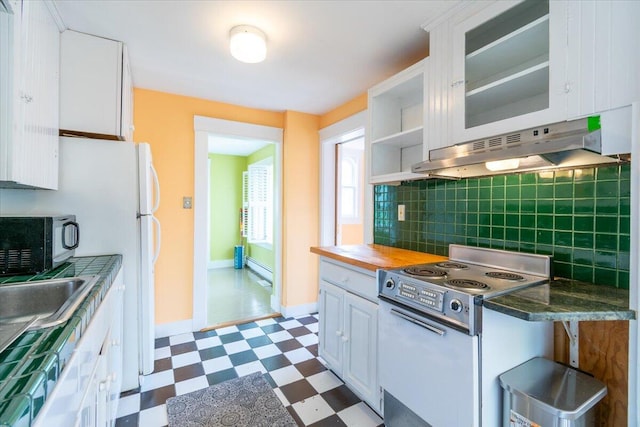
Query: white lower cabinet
(87,392)
(348,329)
(331,327)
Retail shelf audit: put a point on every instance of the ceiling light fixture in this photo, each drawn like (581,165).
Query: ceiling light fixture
(248,44)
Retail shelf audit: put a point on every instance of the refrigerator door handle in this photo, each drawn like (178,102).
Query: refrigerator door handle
(156,186)
(158,238)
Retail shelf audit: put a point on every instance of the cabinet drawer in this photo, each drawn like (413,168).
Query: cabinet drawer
(353,279)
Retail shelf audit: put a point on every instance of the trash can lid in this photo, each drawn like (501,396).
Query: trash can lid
(559,389)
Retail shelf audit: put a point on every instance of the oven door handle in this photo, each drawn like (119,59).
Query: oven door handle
(420,323)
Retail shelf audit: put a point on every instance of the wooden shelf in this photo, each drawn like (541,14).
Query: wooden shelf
(525,84)
(531,76)
(509,75)
(507,52)
(402,139)
(396,126)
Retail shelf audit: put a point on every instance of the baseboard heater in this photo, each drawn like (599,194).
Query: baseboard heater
(262,270)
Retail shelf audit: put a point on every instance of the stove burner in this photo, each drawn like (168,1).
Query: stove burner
(503,275)
(466,284)
(425,272)
(452,265)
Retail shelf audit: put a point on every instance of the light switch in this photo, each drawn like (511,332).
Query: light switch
(400,212)
(187,202)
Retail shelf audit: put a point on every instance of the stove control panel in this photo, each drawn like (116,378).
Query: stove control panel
(430,298)
(449,305)
(456,305)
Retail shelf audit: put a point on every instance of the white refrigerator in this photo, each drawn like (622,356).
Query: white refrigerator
(113,190)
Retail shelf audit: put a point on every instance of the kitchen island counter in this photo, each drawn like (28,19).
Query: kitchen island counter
(565,300)
(372,257)
(31,365)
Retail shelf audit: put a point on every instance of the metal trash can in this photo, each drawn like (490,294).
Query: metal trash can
(238,256)
(541,392)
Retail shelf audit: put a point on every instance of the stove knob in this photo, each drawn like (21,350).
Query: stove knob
(389,284)
(456,305)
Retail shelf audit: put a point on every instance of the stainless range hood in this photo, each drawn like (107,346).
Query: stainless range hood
(559,145)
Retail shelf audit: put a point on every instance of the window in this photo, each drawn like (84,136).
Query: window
(258,202)
(349,191)
(350,181)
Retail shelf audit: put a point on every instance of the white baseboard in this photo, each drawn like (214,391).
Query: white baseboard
(299,310)
(275,304)
(174,328)
(221,263)
(260,269)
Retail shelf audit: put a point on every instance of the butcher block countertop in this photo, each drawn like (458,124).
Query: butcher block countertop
(559,300)
(372,256)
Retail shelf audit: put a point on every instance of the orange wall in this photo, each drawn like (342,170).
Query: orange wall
(301,227)
(352,234)
(345,110)
(166,122)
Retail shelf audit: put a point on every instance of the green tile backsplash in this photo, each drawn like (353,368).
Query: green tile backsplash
(580,216)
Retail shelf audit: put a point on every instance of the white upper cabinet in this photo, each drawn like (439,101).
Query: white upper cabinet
(29,146)
(127,98)
(96,98)
(395,131)
(508,68)
(603,60)
(503,66)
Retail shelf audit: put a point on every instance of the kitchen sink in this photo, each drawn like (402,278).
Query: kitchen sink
(43,303)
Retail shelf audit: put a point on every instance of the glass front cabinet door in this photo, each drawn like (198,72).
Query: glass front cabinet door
(509,68)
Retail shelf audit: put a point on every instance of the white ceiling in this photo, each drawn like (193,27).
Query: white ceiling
(320,53)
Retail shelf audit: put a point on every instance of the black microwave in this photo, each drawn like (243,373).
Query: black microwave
(34,244)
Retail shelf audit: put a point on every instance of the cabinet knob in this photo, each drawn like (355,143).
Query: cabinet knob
(102,386)
(26,98)
(339,333)
(344,338)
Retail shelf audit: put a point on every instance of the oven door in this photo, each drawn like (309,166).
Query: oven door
(428,368)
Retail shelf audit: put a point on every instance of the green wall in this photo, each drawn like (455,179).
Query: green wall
(225,202)
(265,256)
(581,217)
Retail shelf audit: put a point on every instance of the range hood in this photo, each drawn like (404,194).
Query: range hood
(571,144)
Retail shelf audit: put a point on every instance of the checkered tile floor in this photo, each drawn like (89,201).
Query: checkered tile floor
(284,350)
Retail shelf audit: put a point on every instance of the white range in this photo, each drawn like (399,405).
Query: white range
(440,350)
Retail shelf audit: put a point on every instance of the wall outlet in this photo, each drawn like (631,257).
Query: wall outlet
(400,212)
(187,202)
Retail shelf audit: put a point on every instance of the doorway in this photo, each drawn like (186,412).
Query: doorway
(241,227)
(346,197)
(350,192)
(220,224)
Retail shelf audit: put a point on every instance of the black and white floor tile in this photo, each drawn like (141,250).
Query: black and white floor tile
(285,350)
